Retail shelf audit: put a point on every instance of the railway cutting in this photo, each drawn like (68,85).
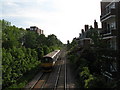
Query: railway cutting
(59,76)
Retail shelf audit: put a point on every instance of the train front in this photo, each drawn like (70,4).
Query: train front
(47,64)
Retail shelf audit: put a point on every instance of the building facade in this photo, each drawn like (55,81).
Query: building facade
(110,20)
(36,29)
(84,37)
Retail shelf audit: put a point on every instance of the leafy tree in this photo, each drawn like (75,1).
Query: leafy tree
(41,40)
(40,53)
(97,82)
(16,62)
(11,35)
(4,24)
(53,41)
(30,39)
(22,51)
(46,50)
(95,58)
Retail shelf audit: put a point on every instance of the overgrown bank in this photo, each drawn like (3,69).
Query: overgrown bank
(22,51)
(90,62)
(86,70)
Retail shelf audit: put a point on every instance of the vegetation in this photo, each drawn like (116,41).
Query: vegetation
(22,51)
(89,62)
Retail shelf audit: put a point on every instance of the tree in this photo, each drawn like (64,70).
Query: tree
(22,50)
(41,40)
(11,35)
(46,49)
(53,41)
(30,39)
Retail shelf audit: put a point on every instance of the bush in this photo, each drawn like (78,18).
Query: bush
(96,82)
(91,81)
(16,62)
(46,50)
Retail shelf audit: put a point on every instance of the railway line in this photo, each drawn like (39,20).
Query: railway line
(55,80)
(41,82)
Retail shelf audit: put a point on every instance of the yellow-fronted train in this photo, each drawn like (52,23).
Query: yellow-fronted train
(48,61)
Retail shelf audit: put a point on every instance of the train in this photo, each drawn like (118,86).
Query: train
(48,61)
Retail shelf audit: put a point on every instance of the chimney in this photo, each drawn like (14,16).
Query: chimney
(91,27)
(42,32)
(95,24)
(27,29)
(80,34)
(82,31)
(86,27)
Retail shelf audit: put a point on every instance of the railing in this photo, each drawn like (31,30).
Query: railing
(105,33)
(106,14)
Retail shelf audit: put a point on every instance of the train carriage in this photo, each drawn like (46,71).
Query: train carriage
(48,61)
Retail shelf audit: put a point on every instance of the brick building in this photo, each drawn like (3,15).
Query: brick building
(110,33)
(84,37)
(36,29)
(110,19)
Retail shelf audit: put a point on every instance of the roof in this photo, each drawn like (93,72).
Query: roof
(52,54)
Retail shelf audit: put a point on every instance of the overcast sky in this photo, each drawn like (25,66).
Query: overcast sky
(64,18)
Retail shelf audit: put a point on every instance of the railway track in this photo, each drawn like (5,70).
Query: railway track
(61,81)
(38,82)
(42,81)
(58,77)
(55,80)
(44,77)
(65,76)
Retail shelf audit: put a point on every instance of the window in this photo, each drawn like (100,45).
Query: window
(112,6)
(113,25)
(108,28)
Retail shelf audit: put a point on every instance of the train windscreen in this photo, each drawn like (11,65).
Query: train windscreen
(47,60)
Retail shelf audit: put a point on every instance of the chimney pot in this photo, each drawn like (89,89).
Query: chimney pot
(86,27)
(95,24)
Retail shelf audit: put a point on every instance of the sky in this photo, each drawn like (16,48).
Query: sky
(64,18)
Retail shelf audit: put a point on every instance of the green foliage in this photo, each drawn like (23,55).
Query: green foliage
(91,81)
(41,40)
(4,24)
(72,58)
(85,77)
(97,82)
(85,72)
(87,81)
(22,51)
(90,61)
(46,50)
(16,62)
(25,79)
(40,53)
(53,41)
(30,39)
(11,35)
(72,45)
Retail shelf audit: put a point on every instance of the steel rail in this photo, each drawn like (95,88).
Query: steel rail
(65,76)
(31,84)
(56,82)
(46,79)
(42,81)
(37,81)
